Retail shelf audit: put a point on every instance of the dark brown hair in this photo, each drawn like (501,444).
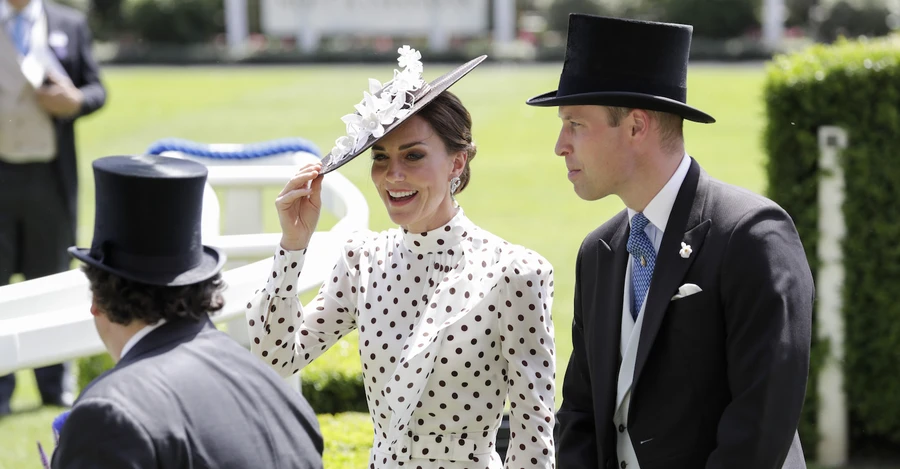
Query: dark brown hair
(124,300)
(671,127)
(453,124)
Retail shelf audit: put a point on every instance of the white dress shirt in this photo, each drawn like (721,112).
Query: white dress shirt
(138,336)
(660,207)
(657,212)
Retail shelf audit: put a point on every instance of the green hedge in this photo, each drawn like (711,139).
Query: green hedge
(854,85)
(333,382)
(348,438)
(711,18)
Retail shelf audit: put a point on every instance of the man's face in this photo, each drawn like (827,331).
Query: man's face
(598,156)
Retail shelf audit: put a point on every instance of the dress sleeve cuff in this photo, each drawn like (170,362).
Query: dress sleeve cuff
(286,267)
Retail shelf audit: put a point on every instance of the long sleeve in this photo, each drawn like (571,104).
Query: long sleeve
(768,314)
(528,346)
(89,83)
(577,431)
(99,433)
(285,334)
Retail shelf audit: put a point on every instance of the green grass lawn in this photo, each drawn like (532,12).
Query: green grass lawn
(518,191)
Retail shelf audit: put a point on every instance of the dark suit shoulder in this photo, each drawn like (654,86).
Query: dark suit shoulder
(196,393)
(729,204)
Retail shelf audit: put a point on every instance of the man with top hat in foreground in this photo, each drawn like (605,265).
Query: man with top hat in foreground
(182,394)
(693,306)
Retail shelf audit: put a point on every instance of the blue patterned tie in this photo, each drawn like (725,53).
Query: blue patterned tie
(644,259)
(20,34)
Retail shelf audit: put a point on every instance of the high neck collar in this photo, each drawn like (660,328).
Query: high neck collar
(440,239)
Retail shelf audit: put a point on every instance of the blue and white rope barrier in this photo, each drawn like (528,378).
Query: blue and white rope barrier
(234,151)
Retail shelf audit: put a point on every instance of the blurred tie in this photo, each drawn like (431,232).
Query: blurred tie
(644,259)
(20,33)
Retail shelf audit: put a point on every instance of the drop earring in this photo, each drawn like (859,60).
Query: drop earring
(454,185)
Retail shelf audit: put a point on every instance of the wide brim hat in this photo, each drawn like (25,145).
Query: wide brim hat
(147,221)
(386,107)
(625,63)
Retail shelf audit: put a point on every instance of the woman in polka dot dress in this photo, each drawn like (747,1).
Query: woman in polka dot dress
(452,320)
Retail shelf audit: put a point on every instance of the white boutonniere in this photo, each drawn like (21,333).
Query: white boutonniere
(685,250)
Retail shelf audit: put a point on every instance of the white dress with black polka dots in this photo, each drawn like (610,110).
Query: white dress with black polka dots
(451,322)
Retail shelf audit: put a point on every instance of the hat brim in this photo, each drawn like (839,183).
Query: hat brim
(431,91)
(624,99)
(211,263)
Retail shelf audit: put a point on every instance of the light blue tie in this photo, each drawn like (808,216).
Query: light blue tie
(20,34)
(644,259)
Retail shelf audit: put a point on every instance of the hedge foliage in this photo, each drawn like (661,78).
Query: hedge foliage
(333,382)
(854,85)
(725,19)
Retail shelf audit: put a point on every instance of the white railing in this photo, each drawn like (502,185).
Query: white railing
(48,320)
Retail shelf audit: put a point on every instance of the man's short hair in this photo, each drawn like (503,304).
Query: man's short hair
(671,126)
(124,301)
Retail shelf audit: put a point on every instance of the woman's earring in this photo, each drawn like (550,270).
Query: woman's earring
(454,184)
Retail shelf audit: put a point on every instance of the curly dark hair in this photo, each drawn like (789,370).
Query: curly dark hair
(124,300)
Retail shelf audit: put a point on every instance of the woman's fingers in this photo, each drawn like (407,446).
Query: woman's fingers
(301,178)
(316,191)
(285,200)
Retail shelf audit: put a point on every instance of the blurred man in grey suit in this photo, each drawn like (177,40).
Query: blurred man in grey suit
(182,394)
(38,180)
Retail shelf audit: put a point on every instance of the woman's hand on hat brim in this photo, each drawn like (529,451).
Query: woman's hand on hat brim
(299,205)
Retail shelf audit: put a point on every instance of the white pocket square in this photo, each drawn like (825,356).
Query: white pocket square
(687,289)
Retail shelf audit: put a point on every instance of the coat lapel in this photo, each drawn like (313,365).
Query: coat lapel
(686,225)
(606,312)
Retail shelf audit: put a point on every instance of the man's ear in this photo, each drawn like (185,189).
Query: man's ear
(640,123)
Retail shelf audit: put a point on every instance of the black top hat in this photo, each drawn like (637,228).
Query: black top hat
(147,221)
(626,63)
(414,102)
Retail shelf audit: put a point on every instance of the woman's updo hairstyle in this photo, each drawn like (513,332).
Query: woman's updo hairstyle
(453,124)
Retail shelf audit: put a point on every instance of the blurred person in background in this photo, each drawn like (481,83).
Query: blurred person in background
(48,79)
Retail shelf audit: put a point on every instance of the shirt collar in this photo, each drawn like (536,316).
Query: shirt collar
(660,207)
(138,336)
(441,239)
(31,11)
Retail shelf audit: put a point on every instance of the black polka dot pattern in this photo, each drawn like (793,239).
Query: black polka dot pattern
(452,323)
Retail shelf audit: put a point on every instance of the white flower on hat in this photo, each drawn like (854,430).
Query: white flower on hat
(410,59)
(382,105)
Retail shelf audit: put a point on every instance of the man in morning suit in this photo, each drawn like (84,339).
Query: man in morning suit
(38,180)
(693,306)
(182,394)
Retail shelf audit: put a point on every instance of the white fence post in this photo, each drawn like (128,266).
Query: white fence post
(237,27)
(832,413)
(774,16)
